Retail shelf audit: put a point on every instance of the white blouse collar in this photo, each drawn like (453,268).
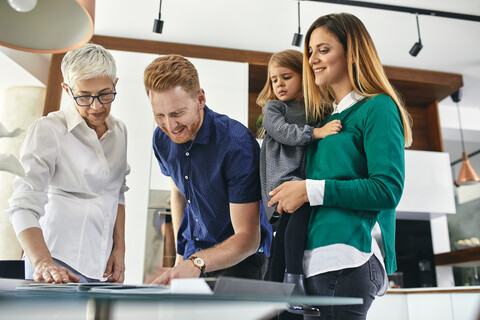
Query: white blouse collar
(347,101)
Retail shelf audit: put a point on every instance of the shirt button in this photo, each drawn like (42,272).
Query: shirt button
(196,239)
(188,201)
(106,173)
(100,193)
(196,220)
(186,177)
(99,151)
(187,153)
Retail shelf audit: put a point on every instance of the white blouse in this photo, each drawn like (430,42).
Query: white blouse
(73,185)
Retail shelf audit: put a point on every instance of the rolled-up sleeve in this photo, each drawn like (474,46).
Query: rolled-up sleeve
(124,188)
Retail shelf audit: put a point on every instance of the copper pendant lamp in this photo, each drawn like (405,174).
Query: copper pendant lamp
(467,174)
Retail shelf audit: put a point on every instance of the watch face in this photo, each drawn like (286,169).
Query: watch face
(199,262)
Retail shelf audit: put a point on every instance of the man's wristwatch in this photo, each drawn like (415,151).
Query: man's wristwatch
(199,263)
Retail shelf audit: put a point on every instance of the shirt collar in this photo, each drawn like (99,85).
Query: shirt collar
(74,118)
(203,135)
(347,101)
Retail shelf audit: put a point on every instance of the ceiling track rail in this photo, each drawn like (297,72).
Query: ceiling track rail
(419,11)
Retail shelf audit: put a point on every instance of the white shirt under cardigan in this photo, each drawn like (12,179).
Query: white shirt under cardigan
(340,256)
(74,183)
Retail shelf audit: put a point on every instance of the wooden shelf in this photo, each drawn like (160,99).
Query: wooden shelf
(469,257)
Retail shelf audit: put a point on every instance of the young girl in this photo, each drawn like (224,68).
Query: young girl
(354,179)
(282,158)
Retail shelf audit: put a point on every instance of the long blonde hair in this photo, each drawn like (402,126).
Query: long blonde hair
(291,59)
(365,70)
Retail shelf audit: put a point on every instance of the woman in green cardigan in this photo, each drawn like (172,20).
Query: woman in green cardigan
(355,178)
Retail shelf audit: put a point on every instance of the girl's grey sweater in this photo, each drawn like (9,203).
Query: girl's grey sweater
(282,155)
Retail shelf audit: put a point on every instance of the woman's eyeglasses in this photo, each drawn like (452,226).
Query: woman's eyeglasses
(85,101)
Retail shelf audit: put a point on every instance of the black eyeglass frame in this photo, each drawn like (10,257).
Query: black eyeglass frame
(93,98)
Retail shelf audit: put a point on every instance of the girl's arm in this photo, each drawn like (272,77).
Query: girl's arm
(332,127)
(280,130)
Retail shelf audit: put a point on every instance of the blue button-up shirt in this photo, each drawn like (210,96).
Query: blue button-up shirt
(221,166)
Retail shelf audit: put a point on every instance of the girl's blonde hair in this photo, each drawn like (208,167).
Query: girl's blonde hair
(291,59)
(365,70)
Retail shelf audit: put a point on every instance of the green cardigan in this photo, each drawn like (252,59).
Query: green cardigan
(363,167)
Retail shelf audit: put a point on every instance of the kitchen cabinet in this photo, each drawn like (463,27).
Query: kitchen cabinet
(427,304)
(428,189)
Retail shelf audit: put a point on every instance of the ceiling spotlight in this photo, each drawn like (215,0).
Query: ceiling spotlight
(418,45)
(298,37)
(158,23)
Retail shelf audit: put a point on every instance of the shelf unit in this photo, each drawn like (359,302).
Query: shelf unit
(469,257)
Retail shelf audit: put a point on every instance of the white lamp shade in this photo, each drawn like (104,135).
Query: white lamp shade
(53,26)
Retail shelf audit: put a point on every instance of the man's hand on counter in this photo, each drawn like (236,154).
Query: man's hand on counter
(184,269)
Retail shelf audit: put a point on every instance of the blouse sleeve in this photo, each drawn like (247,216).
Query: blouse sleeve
(384,151)
(38,156)
(280,130)
(124,188)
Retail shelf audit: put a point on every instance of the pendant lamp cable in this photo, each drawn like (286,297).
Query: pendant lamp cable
(418,29)
(160,11)
(460,126)
(298,4)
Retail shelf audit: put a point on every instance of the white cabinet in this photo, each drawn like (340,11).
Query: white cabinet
(415,305)
(429,188)
(466,306)
(390,306)
(431,306)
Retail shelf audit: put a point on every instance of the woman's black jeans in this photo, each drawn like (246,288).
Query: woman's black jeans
(361,282)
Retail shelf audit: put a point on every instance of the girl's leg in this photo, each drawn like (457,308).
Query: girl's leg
(276,266)
(295,235)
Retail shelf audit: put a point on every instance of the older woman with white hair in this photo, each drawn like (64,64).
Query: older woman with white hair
(69,210)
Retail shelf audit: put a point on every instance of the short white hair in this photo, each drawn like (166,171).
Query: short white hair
(88,62)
